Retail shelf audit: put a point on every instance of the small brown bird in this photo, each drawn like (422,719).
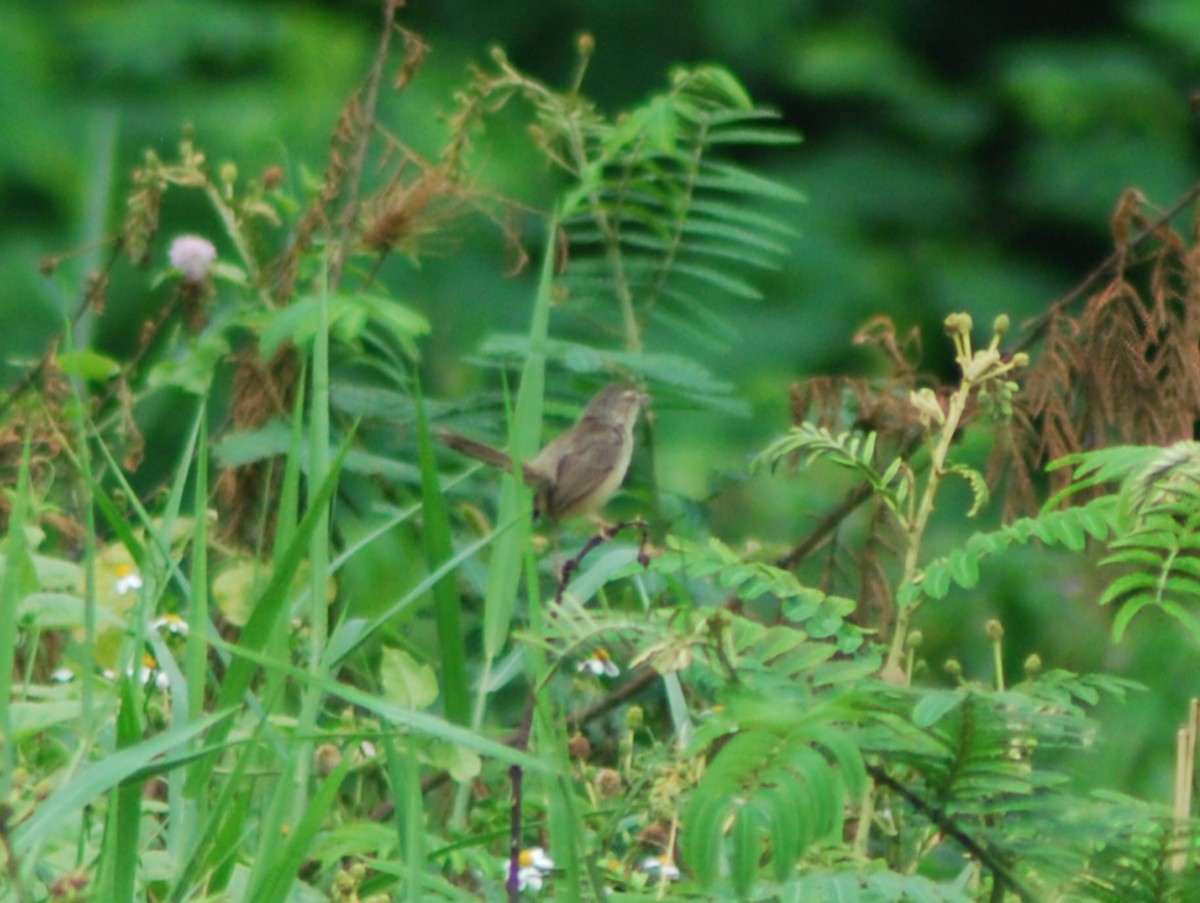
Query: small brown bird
(579,471)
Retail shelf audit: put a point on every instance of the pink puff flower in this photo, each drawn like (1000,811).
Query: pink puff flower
(192,256)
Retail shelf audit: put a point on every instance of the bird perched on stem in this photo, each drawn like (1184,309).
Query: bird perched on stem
(577,473)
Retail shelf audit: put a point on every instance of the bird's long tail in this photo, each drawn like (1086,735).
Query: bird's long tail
(480,451)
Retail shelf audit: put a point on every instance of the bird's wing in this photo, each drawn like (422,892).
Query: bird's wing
(583,471)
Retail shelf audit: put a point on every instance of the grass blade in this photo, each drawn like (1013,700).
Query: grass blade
(16,572)
(446,603)
(283,871)
(118,864)
(102,775)
(268,612)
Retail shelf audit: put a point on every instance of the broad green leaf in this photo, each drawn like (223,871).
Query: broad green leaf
(824,789)
(849,760)
(461,764)
(407,682)
(1183,616)
(193,372)
(60,611)
(271,439)
(30,718)
(295,323)
(936,582)
(89,365)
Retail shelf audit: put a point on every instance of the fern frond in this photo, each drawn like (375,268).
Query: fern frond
(669,373)
(980,766)
(1168,481)
(1165,554)
(697,322)
(767,795)
(1099,467)
(976,770)
(856,451)
(979,488)
(1068,527)
(1160,546)
(661,210)
(717,565)
(1134,862)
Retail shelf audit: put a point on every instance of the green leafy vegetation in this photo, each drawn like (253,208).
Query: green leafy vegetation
(263,638)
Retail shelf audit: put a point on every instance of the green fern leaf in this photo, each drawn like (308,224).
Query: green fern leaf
(736,236)
(1186,564)
(979,488)
(1124,588)
(714,210)
(853,886)
(963,568)
(848,759)
(703,832)
(1134,862)
(812,443)
(1100,467)
(765,137)
(744,851)
(724,177)
(1184,616)
(935,583)
(936,705)
(720,280)
(1170,475)
(1177,584)
(768,794)
(1132,557)
(1070,527)
(825,791)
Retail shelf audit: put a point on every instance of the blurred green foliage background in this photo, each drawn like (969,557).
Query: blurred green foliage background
(957,156)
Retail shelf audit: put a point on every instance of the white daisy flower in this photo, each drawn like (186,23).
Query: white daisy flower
(533,866)
(659,868)
(600,664)
(128,580)
(150,673)
(172,623)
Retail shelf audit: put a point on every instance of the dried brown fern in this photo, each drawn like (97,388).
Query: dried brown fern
(1116,360)
(334,209)
(1125,369)
(340,216)
(261,391)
